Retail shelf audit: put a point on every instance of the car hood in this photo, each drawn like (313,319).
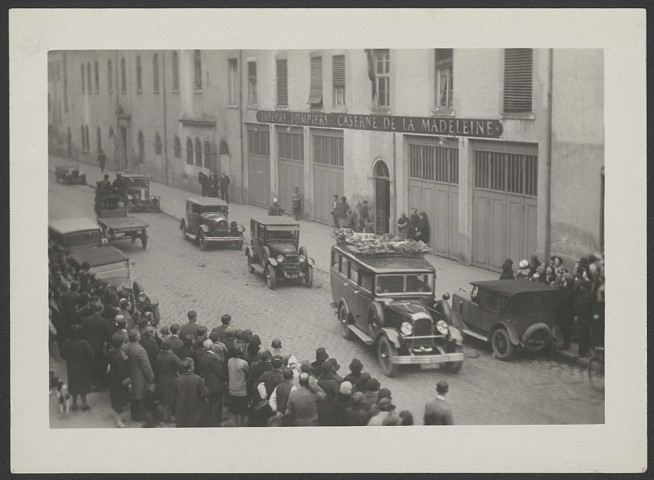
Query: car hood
(214,218)
(409,308)
(284,248)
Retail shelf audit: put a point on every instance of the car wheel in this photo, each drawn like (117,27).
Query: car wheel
(271,278)
(385,352)
(308,277)
(202,241)
(250,267)
(346,333)
(501,343)
(144,240)
(454,367)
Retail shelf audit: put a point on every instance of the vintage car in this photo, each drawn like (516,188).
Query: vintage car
(508,314)
(138,193)
(71,233)
(274,251)
(70,175)
(387,300)
(207,223)
(115,224)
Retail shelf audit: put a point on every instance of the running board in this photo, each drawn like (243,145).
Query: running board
(366,339)
(258,268)
(474,334)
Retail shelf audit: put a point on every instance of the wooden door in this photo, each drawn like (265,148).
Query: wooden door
(382,205)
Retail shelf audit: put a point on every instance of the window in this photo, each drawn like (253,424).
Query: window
(141,147)
(443,78)
(434,163)
(223,149)
(252,83)
(232,81)
(110,80)
(175,72)
(97,78)
(290,146)
(259,142)
(155,72)
(282,83)
(139,75)
(506,172)
(343,267)
(207,154)
(336,258)
(383,78)
(198,152)
(354,272)
(338,74)
(177,148)
(123,76)
(88,78)
(198,70)
(365,280)
(189,152)
(157,144)
(315,92)
(328,149)
(83,79)
(517,80)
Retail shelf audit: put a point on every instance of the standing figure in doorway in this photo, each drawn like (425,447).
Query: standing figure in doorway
(204,183)
(414,219)
(296,200)
(224,187)
(402,226)
(423,231)
(102,160)
(213,185)
(343,209)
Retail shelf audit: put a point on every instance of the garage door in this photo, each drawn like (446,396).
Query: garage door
(290,146)
(328,177)
(434,189)
(259,166)
(505,207)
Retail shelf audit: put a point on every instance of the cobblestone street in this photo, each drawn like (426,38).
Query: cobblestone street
(527,390)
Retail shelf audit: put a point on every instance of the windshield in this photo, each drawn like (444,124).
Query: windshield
(282,235)
(215,209)
(523,303)
(408,283)
(92,237)
(138,182)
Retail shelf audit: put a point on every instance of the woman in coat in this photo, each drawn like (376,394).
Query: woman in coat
(79,363)
(151,346)
(168,366)
(507,270)
(190,392)
(423,232)
(402,226)
(119,382)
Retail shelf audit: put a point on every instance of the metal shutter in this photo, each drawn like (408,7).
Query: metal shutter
(518,68)
(282,83)
(338,67)
(315,93)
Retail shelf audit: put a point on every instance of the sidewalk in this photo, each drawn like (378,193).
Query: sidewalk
(315,236)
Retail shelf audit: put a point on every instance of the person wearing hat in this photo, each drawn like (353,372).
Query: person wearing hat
(117,327)
(361,385)
(355,371)
(355,415)
(148,341)
(237,370)
(276,346)
(94,331)
(190,392)
(301,408)
(406,416)
(371,395)
(275,209)
(383,393)
(437,410)
(140,371)
(258,368)
(507,270)
(168,367)
(328,380)
(119,382)
(565,311)
(279,397)
(123,305)
(316,366)
(340,403)
(264,388)
(584,308)
(524,271)
(215,379)
(385,410)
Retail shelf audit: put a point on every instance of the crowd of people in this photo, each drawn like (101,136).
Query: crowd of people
(213,186)
(416,227)
(358,219)
(580,315)
(184,375)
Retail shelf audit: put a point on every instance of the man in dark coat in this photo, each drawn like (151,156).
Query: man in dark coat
(330,386)
(191,328)
(275,209)
(414,221)
(355,415)
(224,187)
(151,346)
(102,160)
(507,270)
(296,201)
(204,183)
(79,364)
(316,366)
(279,396)
(119,382)
(343,209)
(168,367)
(355,372)
(190,392)
(95,334)
(186,350)
(215,379)
(213,185)
(141,374)
(437,411)
(174,340)
(68,304)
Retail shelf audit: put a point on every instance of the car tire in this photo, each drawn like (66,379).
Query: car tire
(201,240)
(346,333)
(271,278)
(308,277)
(384,353)
(501,343)
(454,367)
(144,240)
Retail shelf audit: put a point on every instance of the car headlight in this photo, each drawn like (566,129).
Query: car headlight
(441,327)
(406,328)
(280,258)
(302,258)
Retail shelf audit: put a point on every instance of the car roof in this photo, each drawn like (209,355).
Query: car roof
(97,256)
(207,201)
(395,262)
(133,175)
(276,220)
(70,225)
(512,287)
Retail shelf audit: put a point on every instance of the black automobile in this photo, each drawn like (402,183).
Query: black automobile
(70,175)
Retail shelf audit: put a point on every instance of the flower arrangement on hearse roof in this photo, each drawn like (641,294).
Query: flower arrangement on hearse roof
(373,244)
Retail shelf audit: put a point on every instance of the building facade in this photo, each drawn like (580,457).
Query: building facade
(503,149)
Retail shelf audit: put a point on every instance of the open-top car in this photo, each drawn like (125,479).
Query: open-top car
(207,222)
(70,175)
(138,193)
(115,224)
(508,314)
(71,233)
(274,251)
(386,299)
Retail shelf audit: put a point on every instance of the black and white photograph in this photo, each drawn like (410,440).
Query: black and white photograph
(247,234)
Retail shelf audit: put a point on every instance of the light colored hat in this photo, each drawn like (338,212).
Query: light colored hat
(346,388)
(523,264)
(207,344)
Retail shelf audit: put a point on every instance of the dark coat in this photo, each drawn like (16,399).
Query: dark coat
(414,221)
(139,369)
(175,343)
(152,348)
(339,405)
(424,230)
(168,365)
(95,334)
(189,392)
(213,370)
(79,364)
(353,378)
(271,379)
(224,183)
(356,416)
(118,380)
(256,370)
(185,351)
(190,328)
(330,385)
(507,274)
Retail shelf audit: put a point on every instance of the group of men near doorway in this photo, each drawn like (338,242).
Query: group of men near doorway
(358,219)
(212,186)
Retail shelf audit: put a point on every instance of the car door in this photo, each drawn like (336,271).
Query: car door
(472,314)
(360,299)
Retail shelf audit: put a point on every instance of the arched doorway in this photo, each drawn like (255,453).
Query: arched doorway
(382,178)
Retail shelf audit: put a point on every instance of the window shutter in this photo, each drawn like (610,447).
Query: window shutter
(282,83)
(315,94)
(517,79)
(338,67)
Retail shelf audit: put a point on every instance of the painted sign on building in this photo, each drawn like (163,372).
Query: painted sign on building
(459,127)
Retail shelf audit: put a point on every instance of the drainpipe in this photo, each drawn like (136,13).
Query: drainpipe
(391,228)
(240,111)
(548,188)
(165,119)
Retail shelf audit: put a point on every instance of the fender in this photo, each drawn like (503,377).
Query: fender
(204,228)
(272,261)
(513,336)
(154,301)
(347,308)
(379,311)
(533,328)
(455,335)
(311,261)
(393,336)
